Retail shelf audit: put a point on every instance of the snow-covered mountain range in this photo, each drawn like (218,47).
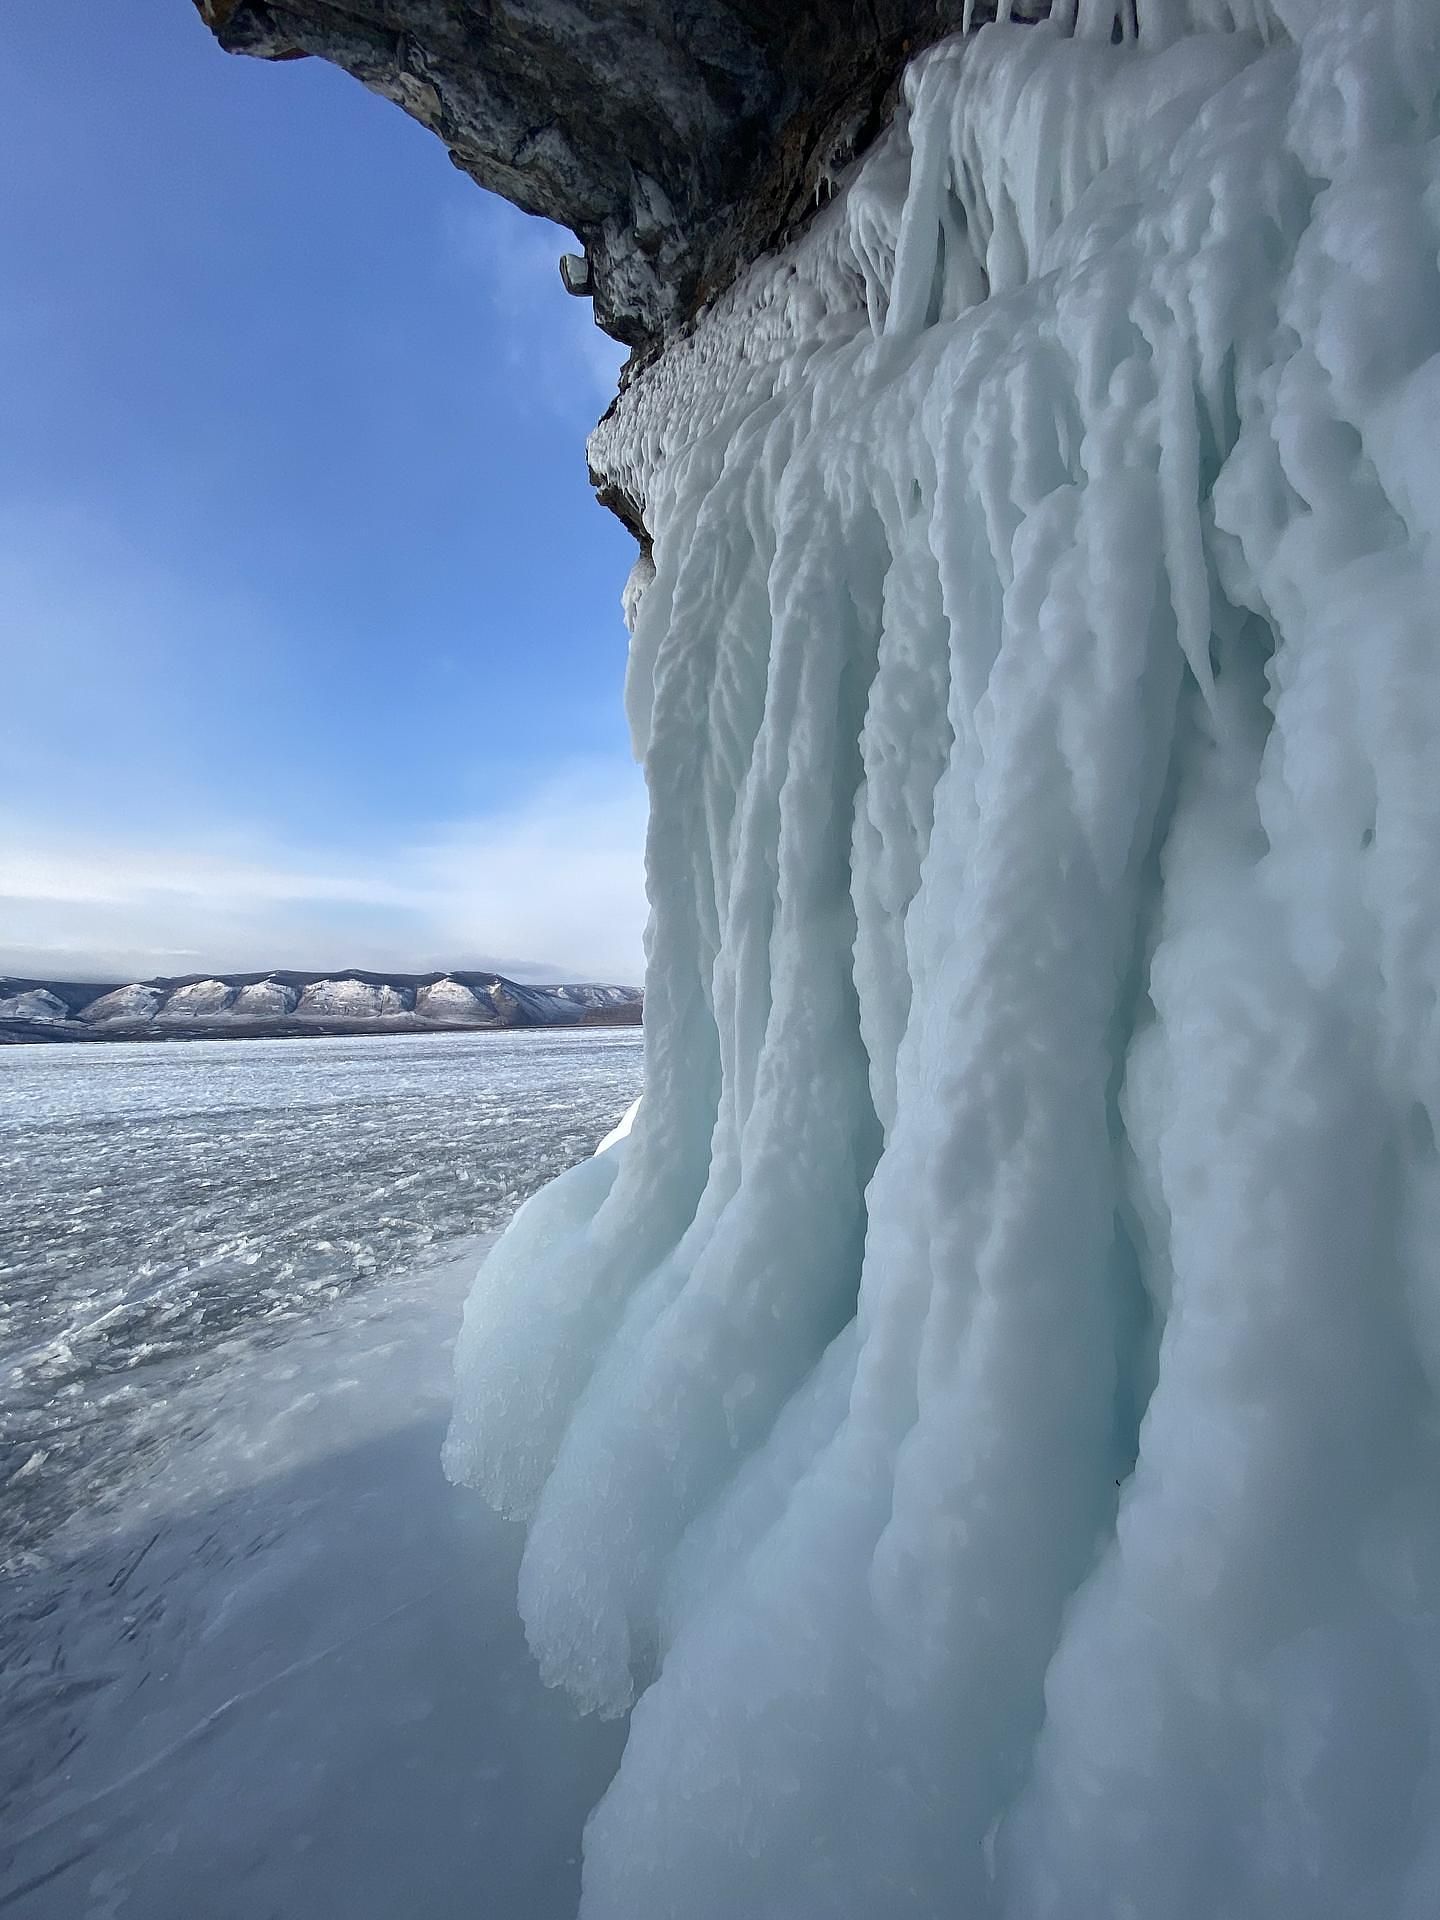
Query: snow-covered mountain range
(197,1006)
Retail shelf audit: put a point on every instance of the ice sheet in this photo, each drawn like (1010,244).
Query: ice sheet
(292,1682)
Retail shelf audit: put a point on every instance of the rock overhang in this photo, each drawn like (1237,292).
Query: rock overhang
(679,140)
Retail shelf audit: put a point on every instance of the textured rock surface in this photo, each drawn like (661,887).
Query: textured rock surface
(678,139)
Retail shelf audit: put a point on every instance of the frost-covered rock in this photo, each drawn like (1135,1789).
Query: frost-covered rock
(36,1004)
(449,1000)
(984,1418)
(264,1000)
(351,1000)
(197,1000)
(124,1003)
(515,1005)
(287,1001)
(585,996)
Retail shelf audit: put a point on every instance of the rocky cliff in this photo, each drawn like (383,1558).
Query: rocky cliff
(283,1003)
(678,139)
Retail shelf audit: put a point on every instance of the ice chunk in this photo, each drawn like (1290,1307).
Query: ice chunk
(621,1129)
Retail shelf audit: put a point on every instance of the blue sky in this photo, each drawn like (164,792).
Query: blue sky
(310,647)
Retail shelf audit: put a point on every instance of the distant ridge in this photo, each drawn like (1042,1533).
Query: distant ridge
(286,1003)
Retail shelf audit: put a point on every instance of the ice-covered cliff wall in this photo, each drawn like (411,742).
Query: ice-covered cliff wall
(984,1415)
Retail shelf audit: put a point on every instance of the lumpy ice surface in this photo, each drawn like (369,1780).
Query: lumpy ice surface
(983,1416)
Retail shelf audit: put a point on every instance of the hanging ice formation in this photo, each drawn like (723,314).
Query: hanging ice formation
(984,1414)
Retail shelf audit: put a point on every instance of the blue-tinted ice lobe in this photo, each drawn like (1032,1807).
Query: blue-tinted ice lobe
(983,1416)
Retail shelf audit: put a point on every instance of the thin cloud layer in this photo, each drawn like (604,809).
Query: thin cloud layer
(547,889)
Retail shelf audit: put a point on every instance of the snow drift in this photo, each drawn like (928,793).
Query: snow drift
(983,1417)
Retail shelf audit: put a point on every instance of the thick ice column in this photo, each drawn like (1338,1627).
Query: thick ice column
(982,1416)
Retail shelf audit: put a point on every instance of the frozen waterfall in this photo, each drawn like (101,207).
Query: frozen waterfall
(984,1416)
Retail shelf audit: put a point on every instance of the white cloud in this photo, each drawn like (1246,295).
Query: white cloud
(551,886)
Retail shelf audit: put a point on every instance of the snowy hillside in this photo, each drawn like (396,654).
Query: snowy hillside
(33,1003)
(983,1418)
(289,1002)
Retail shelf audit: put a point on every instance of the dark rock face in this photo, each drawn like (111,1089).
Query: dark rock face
(679,139)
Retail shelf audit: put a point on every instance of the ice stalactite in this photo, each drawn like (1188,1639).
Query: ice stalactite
(983,1416)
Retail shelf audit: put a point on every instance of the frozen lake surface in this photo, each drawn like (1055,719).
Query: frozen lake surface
(260,1660)
(158,1198)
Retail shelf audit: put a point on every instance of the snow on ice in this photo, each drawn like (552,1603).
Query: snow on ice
(983,1417)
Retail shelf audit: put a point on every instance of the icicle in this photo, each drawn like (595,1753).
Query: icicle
(916,248)
(1095,20)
